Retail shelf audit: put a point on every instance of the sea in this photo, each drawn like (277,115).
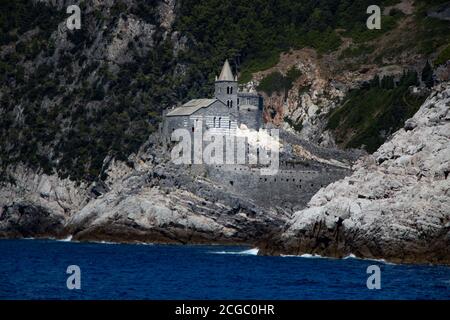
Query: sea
(44,269)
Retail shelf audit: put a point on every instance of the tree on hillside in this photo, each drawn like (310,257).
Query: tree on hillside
(427,75)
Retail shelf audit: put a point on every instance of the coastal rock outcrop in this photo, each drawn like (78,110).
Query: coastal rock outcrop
(148,198)
(34,204)
(395,206)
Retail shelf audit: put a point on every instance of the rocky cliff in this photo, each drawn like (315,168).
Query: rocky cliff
(150,199)
(325,81)
(79,111)
(395,206)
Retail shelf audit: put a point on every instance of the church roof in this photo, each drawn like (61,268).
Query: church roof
(190,107)
(226,74)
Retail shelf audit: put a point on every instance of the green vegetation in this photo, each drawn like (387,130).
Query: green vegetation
(432,33)
(254,33)
(443,57)
(427,75)
(371,113)
(75,111)
(297,126)
(391,2)
(361,34)
(71,130)
(19,16)
(356,51)
(276,82)
(263,63)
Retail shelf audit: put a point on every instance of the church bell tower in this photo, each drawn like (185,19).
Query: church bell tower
(226,87)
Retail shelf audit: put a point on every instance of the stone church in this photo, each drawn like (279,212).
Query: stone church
(222,114)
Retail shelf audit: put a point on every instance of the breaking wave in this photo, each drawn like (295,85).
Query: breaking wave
(305,255)
(69,238)
(352,256)
(251,252)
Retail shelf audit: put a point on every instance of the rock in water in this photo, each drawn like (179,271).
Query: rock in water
(395,206)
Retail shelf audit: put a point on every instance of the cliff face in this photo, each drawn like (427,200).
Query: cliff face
(331,85)
(71,98)
(395,206)
(150,199)
(77,107)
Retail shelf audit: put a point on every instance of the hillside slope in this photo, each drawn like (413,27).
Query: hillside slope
(69,100)
(359,93)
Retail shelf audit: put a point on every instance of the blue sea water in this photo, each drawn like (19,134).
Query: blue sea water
(36,269)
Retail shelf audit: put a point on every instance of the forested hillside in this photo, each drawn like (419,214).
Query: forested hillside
(71,99)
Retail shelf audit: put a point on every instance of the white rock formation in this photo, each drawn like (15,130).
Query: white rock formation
(396,205)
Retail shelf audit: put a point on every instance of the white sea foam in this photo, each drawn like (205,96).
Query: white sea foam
(252,252)
(106,242)
(127,243)
(352,256)
(145,243)
(305,255)
(68,239)
(308,255)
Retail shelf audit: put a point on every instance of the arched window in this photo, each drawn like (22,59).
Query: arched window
(228,90)
(231,103)
(231,90)
(229,124)
(214,123)
(228,103)
(220,118)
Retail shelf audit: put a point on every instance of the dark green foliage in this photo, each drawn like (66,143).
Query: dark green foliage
(361,34)
(118,8)
(253,33)
(276,82)
(297,126)
(427,75)
(443,57)
(146,10)
(72,129)
(272,83)
(356,50)
(370,114)
(432,33)
(70,122)
(19,16)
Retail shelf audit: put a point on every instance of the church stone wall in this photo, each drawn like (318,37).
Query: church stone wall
(251,117)
(294,187)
